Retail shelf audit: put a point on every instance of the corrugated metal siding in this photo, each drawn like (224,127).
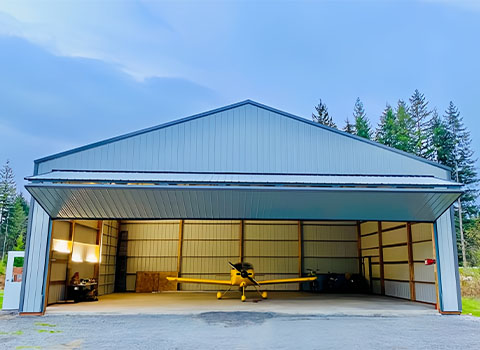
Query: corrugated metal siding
(272,248)
(244,139)
(34,275)
(152,246)
(330,247)
(106,279)
(208,246)
(447,263)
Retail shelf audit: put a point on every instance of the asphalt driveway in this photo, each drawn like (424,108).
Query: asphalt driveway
(238,330)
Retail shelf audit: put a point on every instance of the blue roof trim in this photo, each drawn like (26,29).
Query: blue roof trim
(225,108)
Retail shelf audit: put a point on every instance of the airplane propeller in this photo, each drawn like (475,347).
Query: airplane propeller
(244,273)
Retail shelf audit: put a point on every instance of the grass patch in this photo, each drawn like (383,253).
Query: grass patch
(471,306)
(28,347)
(48,331)
(1,298)
(12,333)
(45,324)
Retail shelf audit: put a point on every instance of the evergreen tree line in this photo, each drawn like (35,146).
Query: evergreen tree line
(13,213)
(416,128)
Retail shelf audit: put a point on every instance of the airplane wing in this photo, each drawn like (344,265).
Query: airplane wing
(198,280)
(288,280)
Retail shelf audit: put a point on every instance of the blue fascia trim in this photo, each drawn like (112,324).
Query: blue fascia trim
(439,270)
(455,257)
(238,104)
(46,265)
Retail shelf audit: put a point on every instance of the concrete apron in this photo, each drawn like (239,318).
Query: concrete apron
(292,303)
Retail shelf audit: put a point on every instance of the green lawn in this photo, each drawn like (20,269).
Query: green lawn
(471,306)
(1,298)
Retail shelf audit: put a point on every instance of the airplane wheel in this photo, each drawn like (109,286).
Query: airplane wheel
(264,295)
(243,298)
(219,295)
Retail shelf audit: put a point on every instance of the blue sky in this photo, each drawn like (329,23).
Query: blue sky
(72,73)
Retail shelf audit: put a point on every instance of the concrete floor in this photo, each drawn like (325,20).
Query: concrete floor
(291,303)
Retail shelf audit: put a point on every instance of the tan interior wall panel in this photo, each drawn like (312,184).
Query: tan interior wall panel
(373,252)
(331,249)
(399,253)
(421,232)
(152,246)
(422,251)
(327,265)
(328,232)
(272,248)
(85,234)
(272,232)
(395,236)
(208,246)
(61,230)
(397,272)
(391,224)
(375,270)
(369,227)
(370,241)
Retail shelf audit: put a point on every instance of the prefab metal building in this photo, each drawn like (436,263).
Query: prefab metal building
(243,182)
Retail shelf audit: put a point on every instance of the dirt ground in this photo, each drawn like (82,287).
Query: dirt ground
(238,330)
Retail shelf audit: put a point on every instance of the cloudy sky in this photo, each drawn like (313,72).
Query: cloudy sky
(72,73)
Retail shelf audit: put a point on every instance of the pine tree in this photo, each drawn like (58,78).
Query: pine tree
(459,157)
(419,113)
(437,144)
(18,224)
(386,131)
(349,127)
(7,198)
(322,116)
(362,124)
(404,138)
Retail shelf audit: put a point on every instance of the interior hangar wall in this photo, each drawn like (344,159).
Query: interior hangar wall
(206,247)
(393,255)
(246,138)
(108,254)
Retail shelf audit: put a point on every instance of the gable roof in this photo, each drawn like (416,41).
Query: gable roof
(225,108)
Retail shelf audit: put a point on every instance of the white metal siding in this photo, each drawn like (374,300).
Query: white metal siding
(106,279)
(244,139)
(447,263)
(34,275)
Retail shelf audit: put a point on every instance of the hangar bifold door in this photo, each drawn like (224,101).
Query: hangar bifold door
(395,252)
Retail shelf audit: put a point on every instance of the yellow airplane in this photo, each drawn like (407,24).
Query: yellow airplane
(241,275)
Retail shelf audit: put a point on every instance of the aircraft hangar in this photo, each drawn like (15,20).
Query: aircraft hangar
(242,183)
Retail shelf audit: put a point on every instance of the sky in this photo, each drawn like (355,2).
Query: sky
(73,73)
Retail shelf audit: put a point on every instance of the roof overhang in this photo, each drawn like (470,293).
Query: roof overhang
(97,195)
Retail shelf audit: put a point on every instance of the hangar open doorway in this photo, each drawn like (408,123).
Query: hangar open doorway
(135,256)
